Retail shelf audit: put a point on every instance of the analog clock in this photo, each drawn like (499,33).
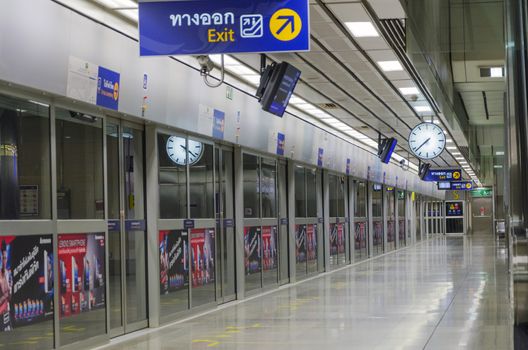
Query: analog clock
(427,141)
(178,151)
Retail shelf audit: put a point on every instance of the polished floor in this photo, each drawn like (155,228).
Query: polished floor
(444,293)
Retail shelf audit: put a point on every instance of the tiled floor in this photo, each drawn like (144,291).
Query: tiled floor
(445,293)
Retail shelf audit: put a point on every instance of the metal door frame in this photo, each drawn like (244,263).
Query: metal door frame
(125,327)
(220,286)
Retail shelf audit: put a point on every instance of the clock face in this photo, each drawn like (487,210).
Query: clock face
(427,141)
(178,151)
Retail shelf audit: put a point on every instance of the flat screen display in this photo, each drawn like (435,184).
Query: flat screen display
(280,88)
(377,188)
(444,185)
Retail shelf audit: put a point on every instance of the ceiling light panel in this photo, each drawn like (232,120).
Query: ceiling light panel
(390,66)
(409,91)
(362,29)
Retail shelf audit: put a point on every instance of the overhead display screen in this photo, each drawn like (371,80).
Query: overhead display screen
(280,88)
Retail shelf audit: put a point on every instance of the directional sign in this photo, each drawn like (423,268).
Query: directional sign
(195,27)
(443,175)
(461,186)
(482,193)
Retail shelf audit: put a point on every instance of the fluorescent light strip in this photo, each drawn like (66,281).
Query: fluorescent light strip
(407,91)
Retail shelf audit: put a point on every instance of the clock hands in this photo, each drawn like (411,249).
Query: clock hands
(190,152)
(423,144)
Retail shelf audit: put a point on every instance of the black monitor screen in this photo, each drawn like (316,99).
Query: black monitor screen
(280,89)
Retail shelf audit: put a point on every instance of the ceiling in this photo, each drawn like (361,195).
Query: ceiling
(343,71)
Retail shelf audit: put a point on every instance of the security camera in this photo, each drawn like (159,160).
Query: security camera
(206,65)
(414,98)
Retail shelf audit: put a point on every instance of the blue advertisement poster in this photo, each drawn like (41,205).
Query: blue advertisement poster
(193,27)
(348,163)
(281,143)
(108,89)
(218,124)
(320,155)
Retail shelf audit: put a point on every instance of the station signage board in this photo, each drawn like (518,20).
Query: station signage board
(443,175)
(482,193)
(201,27)
(461,186)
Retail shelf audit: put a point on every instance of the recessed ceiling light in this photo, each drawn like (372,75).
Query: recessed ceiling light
(409,91)
(390,66)
(499,153)
(497,72)
(451,148)
(497,166)
(362,29)
(423,109)
(456,153)
(449,140)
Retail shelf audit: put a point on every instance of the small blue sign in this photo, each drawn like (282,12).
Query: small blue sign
(461,186)
(114,226)
(229,223)
(320,156)
(218,124)
(188,223)
(348,163)
(135,225)
(196,27)
(443,175)
(281,144)
(108,89)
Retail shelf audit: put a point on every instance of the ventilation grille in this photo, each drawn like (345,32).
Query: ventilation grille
(395,29)
(328,106)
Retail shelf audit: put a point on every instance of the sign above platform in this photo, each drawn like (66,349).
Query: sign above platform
(201,27)
(461,186)
(443,175)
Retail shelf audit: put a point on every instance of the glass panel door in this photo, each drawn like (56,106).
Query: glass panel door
(126,227)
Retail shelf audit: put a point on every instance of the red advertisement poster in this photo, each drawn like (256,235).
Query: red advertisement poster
(333,239)
(360,238)
(300,243)
(252,239)
(202,256)
(26,281)
(311,238)
(390,231)
(174,260)
(401,229)
(378,233)
(340,238)
(269,248)
(81,273)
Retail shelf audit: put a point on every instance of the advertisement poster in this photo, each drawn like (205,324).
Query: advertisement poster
(81,273)
(333,239)
(311,238)
(269,248)
(300,243)
(360,239)
(218,124)
(401,229)
(252,238)
(26,281)
(378,232)
(202,256)
(390,229)
(340,238)
(174,260)
(454,209)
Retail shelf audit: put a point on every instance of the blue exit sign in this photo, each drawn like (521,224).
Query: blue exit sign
(195,27)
